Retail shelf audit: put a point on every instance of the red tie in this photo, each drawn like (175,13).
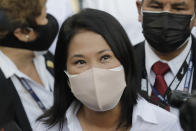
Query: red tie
(160,69)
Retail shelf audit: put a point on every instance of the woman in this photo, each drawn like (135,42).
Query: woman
(95,81)
(26,81)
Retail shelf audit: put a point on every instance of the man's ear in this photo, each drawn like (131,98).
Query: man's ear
(194,21)
(139,6)
(25,35)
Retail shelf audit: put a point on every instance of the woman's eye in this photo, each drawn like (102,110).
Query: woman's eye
(105,58)
(79,62)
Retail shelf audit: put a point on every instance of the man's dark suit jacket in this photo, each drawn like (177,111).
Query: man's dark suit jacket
(11,108)
(140,54)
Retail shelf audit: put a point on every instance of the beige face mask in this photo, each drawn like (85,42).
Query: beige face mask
(98,89)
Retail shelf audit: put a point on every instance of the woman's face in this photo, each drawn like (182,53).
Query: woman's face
(88,49)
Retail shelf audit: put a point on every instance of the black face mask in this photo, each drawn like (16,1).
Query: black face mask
(166,32)
(4,22)
(46,35)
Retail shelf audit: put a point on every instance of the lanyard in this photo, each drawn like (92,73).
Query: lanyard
(188,76)
(186,68)
(157,94)
(181,73)
(28,88)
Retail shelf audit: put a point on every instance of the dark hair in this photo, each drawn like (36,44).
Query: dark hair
(111,30)
(22,11)
(19,13)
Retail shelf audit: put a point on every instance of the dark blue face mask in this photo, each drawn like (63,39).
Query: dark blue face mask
(166,32)
(46,35)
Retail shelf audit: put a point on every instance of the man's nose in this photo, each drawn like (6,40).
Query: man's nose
(167,7)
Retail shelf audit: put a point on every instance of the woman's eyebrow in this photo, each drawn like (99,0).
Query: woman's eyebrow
(101,51)
(77,56)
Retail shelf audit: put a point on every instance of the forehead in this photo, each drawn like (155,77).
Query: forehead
(87,41)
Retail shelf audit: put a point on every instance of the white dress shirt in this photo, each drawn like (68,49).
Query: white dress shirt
(194,31)
(61,10)
(125,11)
(146,117)
(45,94)
(151,58)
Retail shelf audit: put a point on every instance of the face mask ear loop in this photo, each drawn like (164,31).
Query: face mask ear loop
(184,43)
(141,11)
(69,75)
(66,73)
(117,68)
(142,14)
(193,16)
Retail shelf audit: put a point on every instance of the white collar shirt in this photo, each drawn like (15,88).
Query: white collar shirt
(146,117)
(45,94)
(151,58)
